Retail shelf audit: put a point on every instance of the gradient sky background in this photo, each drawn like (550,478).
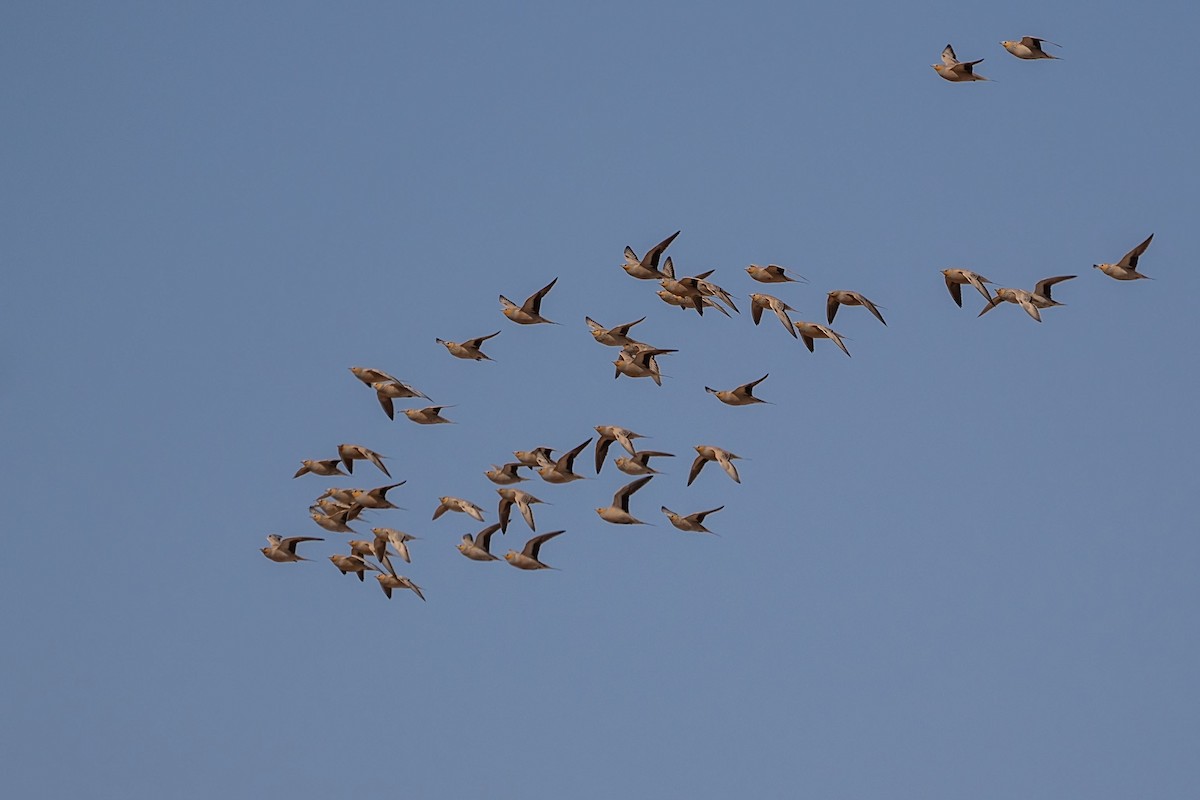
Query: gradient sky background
(962,563)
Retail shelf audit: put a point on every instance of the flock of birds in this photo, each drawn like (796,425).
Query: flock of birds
(335,509)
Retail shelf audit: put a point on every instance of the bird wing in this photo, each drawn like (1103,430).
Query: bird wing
(534,545)
(533,303)
(621,498)
(697,465)
(1131,258)
(948,57)
(654,253)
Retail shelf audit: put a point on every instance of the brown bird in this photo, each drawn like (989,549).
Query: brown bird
(561,471)
(1029,47)
(1030,301)
(351,563)
(771,273)
(708,453)
(1126,268)
(618,512)
(692,523)
(956,278)
(326,468)
(468,349)
(957,71)
(522,500)
(528,557)
(646,267)
(349,453)
(529,312)
(477,549)
(610,434)
(741,396)
(845,298)
(392,581)
(283,550)
(612,337)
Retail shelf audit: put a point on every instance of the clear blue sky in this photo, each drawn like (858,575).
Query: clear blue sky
(961,563)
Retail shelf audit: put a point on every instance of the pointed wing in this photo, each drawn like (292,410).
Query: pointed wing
(700,515)
(872,308)
(755,311)
(831,307)
(955,290)
(697,465)
(655,253)
(475,343)
(727,465)
(483,539)
(948,57)
(386,403)
(567,462)
(1043,286)
(621,498)
(1131,258)
(624,329)
(533,304)
(505,510)
(602,445)
(534,545)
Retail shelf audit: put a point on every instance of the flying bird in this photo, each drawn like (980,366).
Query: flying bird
(528,557)
(610,434)
(709,453)
(458,504)
(478,548)
(957,278)
(740,396)
(772,273)
(349,453)
(844,298)
(618,512)
(284,550)
(692,523)
(506,474)
(522,500)
(468,349)
(646,267)
(759,302)
(1030,301)
(392,581)
(1028,48)
(529,312)
(810,331)
(352,563)
(612,337)
(326,468)
(639,463)
(561,471)
(430,415)
(957,71)
(1126,268)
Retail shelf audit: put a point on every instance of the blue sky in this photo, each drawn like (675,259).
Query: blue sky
(960,563)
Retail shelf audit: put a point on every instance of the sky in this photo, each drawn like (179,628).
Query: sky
(961,562)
